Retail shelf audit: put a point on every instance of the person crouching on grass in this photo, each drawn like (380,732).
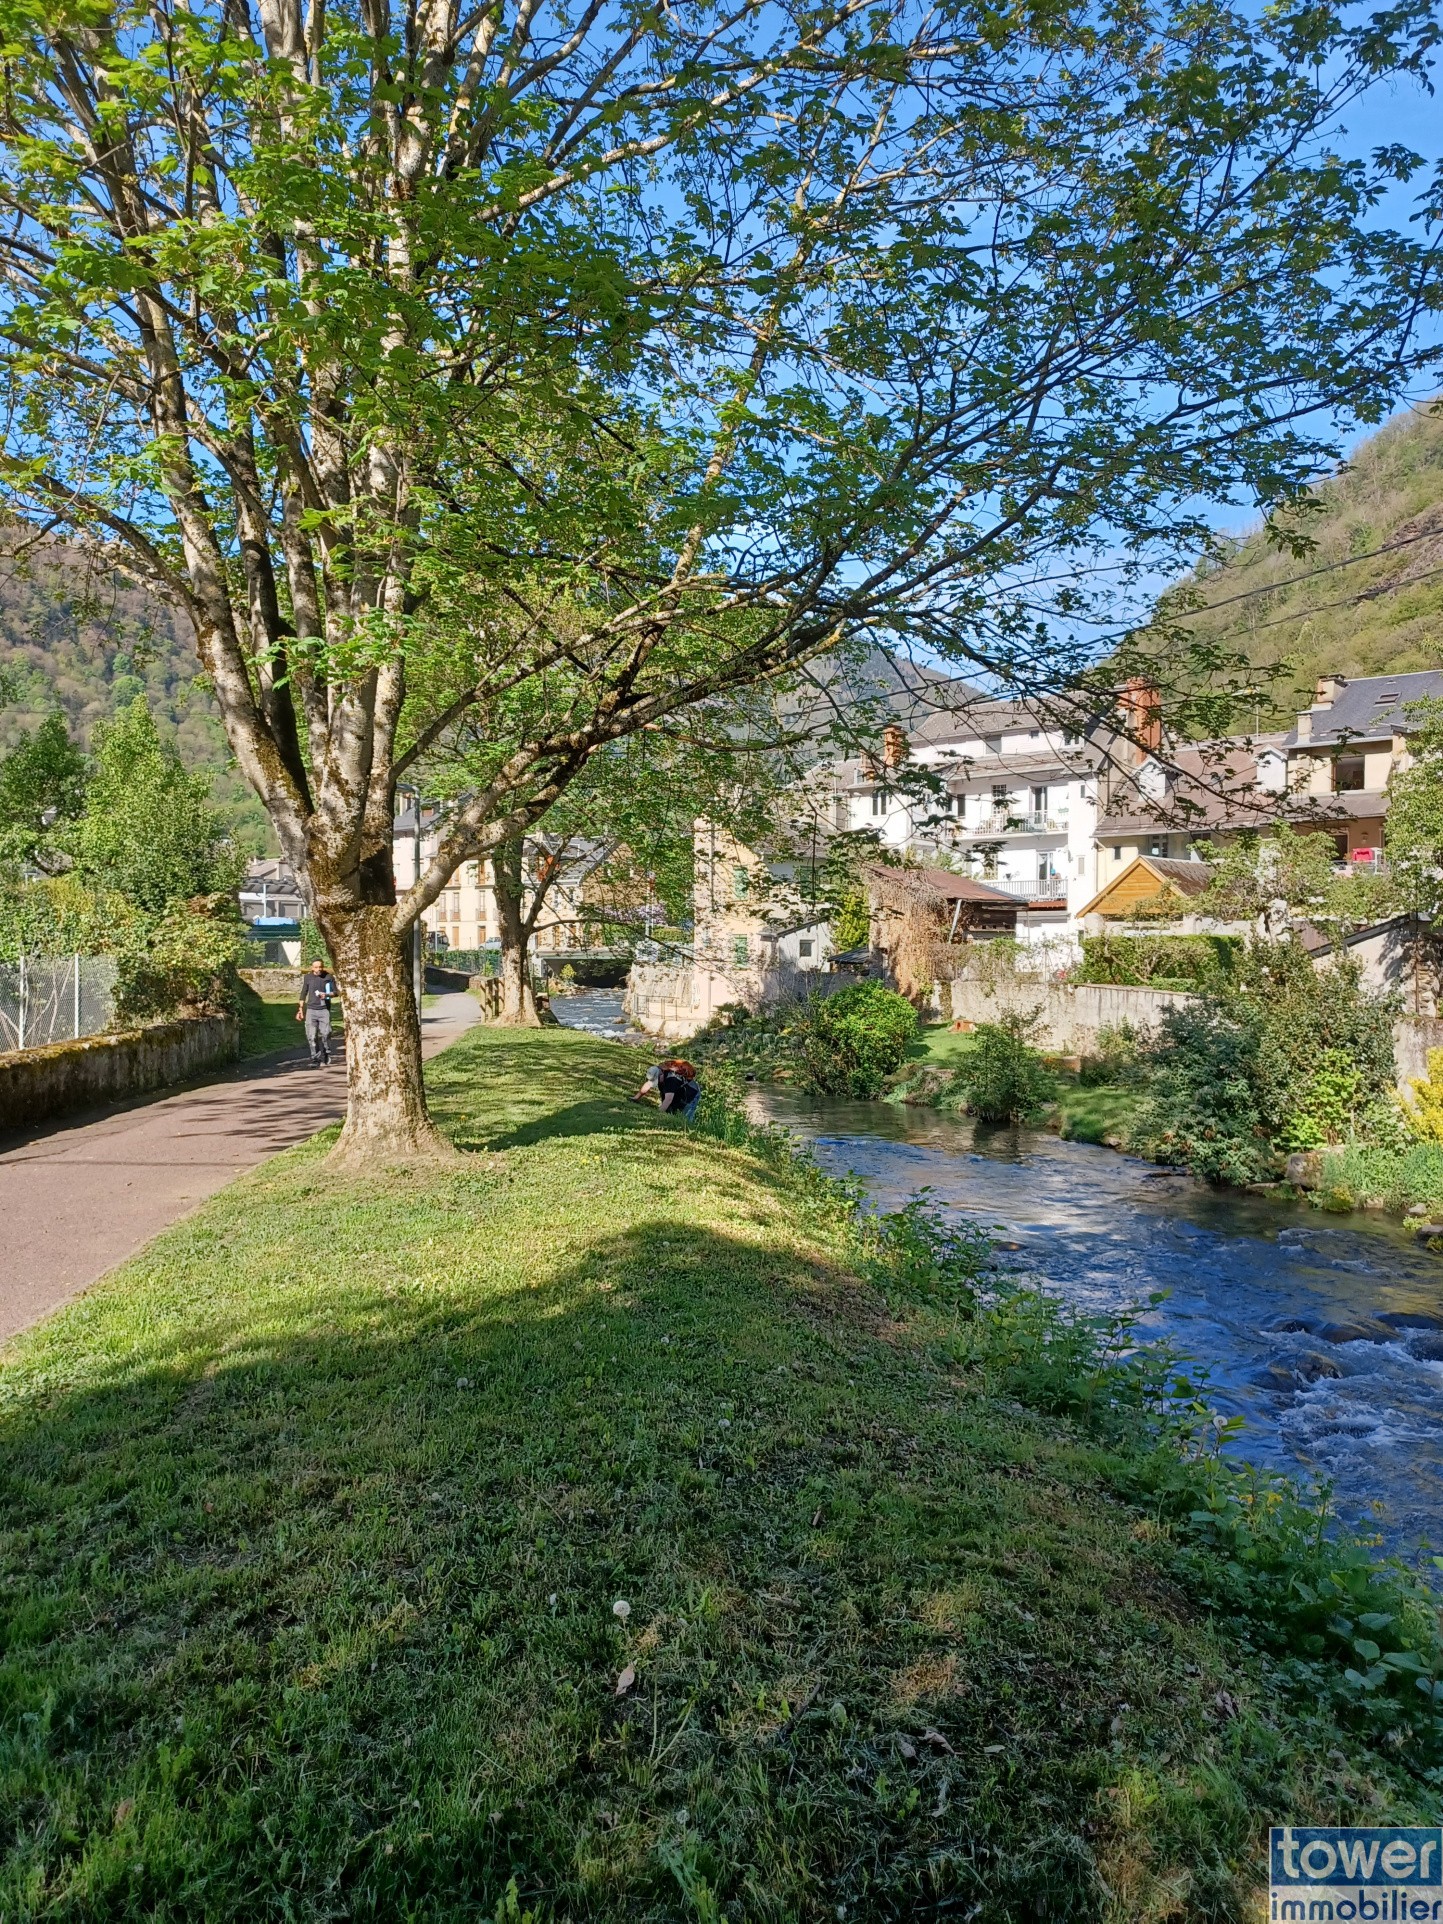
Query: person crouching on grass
(676,1085)
(317,988)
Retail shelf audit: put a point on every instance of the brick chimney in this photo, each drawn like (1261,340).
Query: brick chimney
(1140,706)
(894,745)
(1305,726)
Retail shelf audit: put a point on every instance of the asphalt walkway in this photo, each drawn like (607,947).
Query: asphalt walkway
(80,1196)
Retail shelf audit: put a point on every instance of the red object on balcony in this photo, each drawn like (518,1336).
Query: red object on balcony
(1364,855)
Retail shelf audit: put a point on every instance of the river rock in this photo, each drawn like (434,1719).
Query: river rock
(1291,1325)
(1304,1169)
(1274,1376)
(1363,1329)
(1427,1232)
(1312,1367)
(1428,1349)
(1410,1319)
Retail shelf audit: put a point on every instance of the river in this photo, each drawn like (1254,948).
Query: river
(1258,1292)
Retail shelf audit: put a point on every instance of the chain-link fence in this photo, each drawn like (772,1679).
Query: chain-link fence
(55,998)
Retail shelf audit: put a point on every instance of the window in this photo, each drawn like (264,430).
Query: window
(1117,851)
(1000,797)
(1347,774)
(740,951)
(1157,846)
(804,947)
(879,802)
(1039,801)
(741,882)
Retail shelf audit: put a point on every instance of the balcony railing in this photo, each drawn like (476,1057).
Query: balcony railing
(1005,823)
(1052,888)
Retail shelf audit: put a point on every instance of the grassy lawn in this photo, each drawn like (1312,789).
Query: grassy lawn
(319,1514)
(1082,1113)
(1094,1114)
(268,1023)
(938,1043)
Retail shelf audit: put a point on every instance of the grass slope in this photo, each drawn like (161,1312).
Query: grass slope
(1391,615)
(316,1515)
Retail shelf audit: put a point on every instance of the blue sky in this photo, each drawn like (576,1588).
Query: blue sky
(1397,110)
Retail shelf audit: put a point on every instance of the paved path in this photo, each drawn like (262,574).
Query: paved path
(83,1195)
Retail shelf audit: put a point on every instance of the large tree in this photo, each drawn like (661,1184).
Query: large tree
(566,366)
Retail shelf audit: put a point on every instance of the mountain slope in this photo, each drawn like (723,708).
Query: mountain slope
(1347,608)
(89,642)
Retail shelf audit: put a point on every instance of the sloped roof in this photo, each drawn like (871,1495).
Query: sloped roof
(941,882)
(1181,878)
(1372,706)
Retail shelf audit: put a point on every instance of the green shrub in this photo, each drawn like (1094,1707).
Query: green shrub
(1398,1177)
(1189,962)
(1004,1079)
(1202,1108)
(849,1043)
(186,963)
(1117,1058)
(1285,1056)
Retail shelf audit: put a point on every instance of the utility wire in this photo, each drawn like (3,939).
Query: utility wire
(1347,601)
(1277,587)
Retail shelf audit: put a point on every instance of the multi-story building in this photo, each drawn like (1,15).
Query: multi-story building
(1327,775)
(1004,791)
(463,916)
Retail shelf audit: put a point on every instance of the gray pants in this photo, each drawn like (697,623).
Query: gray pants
(318,1034)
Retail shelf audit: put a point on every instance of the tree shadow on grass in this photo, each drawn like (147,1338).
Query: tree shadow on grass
(308,1603)
(540,1081)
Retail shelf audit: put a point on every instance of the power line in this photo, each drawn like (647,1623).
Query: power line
(1278,587)
(1347,601)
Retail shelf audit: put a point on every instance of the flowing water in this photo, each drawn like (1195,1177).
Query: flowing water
(598,1012)
(1265,1295)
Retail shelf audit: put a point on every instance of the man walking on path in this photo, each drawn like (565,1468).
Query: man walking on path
(317,988)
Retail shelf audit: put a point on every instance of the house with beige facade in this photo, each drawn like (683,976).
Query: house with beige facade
(463,916)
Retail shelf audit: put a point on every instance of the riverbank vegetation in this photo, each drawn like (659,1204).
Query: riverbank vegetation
(613,1514)
(846,1044)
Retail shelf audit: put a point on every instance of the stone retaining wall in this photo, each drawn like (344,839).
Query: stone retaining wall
(39,1084)
(1413,1037)
(1071,1015)
(269,982)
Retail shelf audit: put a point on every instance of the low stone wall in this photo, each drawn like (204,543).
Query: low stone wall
(1071,1015)
(672,1000)
(269,982)
(448,981)
(1413,1037)
(38,1084)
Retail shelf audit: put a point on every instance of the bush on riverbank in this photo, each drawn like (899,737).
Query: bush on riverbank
(1005,1079)
(849,1043)
(602,1513)
(1287,1057)
(845,1044)
(1380,1175)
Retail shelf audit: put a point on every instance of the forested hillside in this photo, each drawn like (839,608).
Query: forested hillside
(1369,599)
(76,635)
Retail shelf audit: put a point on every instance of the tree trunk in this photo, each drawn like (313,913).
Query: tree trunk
(386,1118)
(518,999)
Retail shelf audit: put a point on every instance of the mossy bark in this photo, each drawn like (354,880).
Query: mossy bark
(386,1115)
